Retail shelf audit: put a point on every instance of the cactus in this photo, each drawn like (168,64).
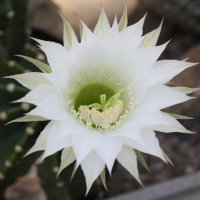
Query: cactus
(186,13)
(17,138)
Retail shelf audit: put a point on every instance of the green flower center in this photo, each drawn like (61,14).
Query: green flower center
(100,96)
(91,93)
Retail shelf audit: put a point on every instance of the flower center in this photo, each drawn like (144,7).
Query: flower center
(100,96)
(90,94)
(104,113)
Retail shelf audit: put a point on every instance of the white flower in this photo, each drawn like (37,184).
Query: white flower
(103,96)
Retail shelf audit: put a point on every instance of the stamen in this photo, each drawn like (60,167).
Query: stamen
(103,119)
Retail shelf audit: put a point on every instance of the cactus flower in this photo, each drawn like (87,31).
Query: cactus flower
(103,97)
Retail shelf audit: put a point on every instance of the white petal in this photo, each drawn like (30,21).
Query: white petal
(51,108)
(38,94)
(59,80)
(103,25)
(30,80)
(129,129)
(151,38)
(58,59)
(185,90)
(41,141)
(68,33)
(174,125)
(29,118)
(112,40)
(163,96)
(179,116)
(96,55)
(70,126)
(87,37)
(56,144)
(133,32)
(67,158)
(147,115)
(103,179)
(92,166)
(42,66)
(172,68)
(50,45)
(128,160)
(108,149)
(84,143)
(124,20)
(122,58)
(152,143)
(145,58)
(154,77)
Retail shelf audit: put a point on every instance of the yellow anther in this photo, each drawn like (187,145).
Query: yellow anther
(84,69)
(128,87)
(130,93)
(70,89)
(132,105)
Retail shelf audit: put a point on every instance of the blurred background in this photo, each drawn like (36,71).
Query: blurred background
(20,179)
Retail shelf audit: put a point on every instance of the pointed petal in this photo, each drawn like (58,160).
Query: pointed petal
(179,116)
(39,159)
(68,33)
(86,35)
(129,129)
(74,171)
(56,144)
(67,158)
(128,160)
(103,25)
(167,158)
(30,80)
(112,40)
(142,160)
(152,143)
(42,66)
(163,96)
(108,149)
(174,125)
(92,166)
(148,115)
(133,32)
(41,141)
(172,68)
(151,54)
(186,90)
(58,59)
(103,179)
(84,143)
(29,118)
(38,94)
(186,59)
(151,38)
(50,45)
(51,108)
(96,55)
(124,20)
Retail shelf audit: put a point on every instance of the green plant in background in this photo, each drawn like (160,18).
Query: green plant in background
(186,13)
(17,139)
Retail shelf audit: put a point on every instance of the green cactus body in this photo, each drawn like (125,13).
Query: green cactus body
(17,138)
